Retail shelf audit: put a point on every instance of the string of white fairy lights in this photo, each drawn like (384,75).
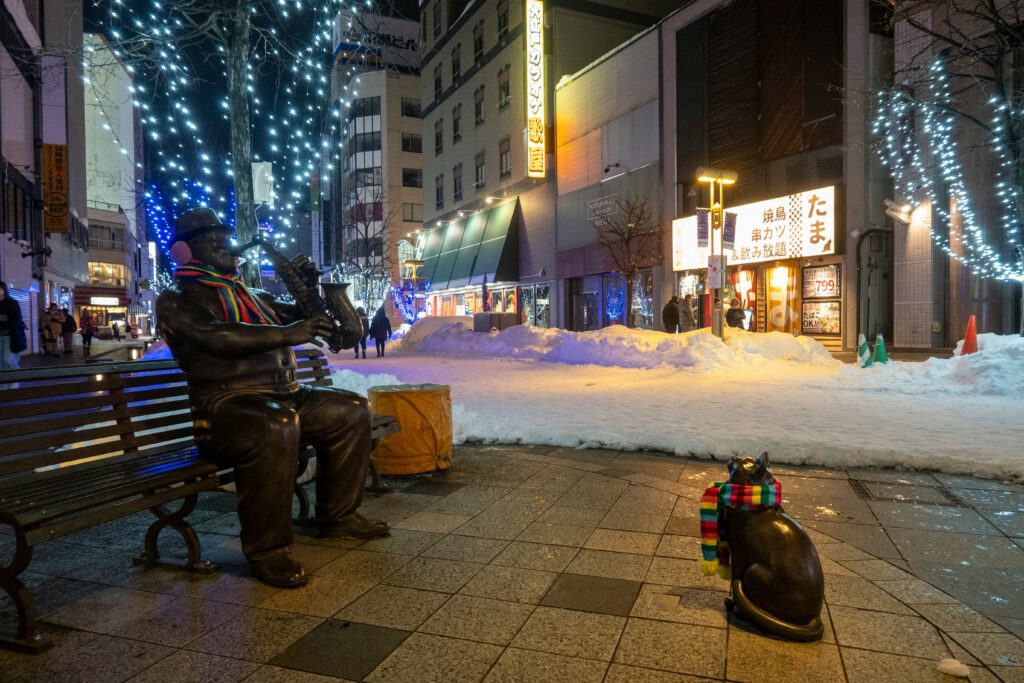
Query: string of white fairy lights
(925,165)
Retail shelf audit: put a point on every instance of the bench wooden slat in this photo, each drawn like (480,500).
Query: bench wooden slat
(61,438)
(108,448)
(86,385)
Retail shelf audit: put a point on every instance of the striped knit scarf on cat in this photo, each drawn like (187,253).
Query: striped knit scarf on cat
(720,495)
(238,303)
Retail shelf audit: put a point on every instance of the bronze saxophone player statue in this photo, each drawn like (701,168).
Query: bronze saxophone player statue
(235,347)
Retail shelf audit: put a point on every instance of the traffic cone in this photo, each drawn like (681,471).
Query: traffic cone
(970,338)
(880,355)
(863,352)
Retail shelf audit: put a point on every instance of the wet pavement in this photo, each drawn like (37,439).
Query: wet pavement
(543,564)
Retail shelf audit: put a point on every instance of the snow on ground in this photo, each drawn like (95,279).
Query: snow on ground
(693,395)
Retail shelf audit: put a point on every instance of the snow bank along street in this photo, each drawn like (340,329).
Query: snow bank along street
(691,394)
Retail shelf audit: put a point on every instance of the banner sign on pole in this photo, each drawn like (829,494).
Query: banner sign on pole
(55,188)
(716,264)
(702,228)
(729,231)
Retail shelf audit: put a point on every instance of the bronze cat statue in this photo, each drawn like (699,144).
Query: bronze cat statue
(776,582)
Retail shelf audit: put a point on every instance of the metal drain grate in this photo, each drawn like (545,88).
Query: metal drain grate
(953,498)
(860,489)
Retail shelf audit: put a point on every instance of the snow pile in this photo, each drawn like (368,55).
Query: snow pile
(158,350)
(359,383)
(614,346)
(996,370)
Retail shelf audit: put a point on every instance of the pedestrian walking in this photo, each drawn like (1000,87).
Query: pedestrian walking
(53,329)
(687,316)
(361,312)
(670,315)
(116,331)
(380,330)
(67,331)
(88,327)
(12,330)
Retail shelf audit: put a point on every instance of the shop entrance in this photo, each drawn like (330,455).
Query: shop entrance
(586,303)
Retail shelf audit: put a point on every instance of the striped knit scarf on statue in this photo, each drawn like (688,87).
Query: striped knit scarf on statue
(720,495)
(238,303)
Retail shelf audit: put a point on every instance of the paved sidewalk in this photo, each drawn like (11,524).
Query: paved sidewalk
(541,564)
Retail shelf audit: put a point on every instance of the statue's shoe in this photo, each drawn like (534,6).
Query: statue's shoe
(279,570)
(354,526)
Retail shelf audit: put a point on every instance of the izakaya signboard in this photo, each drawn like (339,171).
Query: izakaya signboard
(536,163)
(796,226)
(55,188)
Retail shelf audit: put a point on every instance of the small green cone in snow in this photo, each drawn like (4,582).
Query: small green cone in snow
(880,355)
(863,352)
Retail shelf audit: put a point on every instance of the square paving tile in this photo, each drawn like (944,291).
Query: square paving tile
(932,517)
(502,528)
(592,594)
(683,526)
(918,545)
(434,487)
(572,633)
(868,537)
(179,622)
(572,517)
(680,648)
(394,607)
(623,541)
(863,666)
(991,591)
(435,659)
(672,571)
(610,564)
(555,534)
(756,659)
(363,565)
(466,549)
(105,611)
(853,591)
(323,596)
(645,500)
(79,656)
(957,617)
(876,570)
(403,542)
(619,673)
(185,666)
(914,592)
(1010,522)
(480,619)
(277,674)
(892,633)
(634,521)
(991,500)
(808,508)
(685,547)
(343,649)
(998,649)
(437,522)
(509,583)
(431,573)
(682,605)
(255,635)
(539,556)
(517,666)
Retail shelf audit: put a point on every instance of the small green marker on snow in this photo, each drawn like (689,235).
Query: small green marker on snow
(863,352)
(880,355)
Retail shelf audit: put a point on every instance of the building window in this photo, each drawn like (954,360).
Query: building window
(437,19)
(439,190)
(481,178)
(505,158)
(478,42)
(367,177)
(504,97)
(411,108)
(502,18)
(456,123)
(107,274)
(412,213)
(412,177)
(366,142)
(411,142)
(438,136)
(457,182)
(437,80)
(367,106)
(456,62)
(478,105)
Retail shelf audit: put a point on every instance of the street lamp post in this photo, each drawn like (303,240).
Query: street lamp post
(717,177)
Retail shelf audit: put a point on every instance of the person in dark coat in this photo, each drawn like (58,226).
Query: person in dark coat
(116,331)
(734,316)
(12,330)
(380,330)
(67,330)
(670,315)
(361,312)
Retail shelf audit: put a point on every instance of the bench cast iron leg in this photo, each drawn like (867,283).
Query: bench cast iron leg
(27,638)
(376,486)
(175,520)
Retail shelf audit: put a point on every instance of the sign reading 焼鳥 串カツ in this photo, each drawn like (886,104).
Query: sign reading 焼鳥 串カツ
(796,226)
(535,160)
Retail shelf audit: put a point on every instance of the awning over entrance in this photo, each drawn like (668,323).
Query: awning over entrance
(472,250)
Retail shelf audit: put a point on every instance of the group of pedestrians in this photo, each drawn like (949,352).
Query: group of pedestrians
(379,329)
(679,315)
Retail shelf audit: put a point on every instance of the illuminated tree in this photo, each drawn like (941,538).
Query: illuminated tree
(633,239)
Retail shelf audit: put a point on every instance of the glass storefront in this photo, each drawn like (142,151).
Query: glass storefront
(531,302)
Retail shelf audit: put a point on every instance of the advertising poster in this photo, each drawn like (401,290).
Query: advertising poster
(822,282)
(821,317)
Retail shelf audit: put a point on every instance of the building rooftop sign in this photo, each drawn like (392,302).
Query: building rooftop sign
(535,117)
(375,40)
(796,226)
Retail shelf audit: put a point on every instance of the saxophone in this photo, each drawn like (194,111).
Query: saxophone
(302,278)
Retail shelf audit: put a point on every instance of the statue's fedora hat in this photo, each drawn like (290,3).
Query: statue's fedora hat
(195,222)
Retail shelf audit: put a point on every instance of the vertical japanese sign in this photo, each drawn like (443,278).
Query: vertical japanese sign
(55,188)
(729,231)
(702,228)
(536,163)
